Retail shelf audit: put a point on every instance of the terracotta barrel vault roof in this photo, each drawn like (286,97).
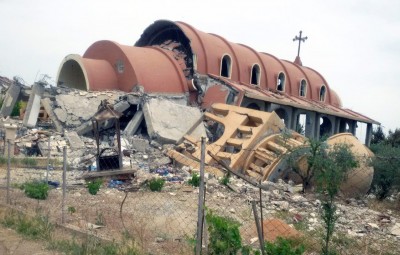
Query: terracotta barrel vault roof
(210,48)
(109,65)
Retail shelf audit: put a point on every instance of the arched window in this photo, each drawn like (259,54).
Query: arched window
(322,93)
(303,88)
(255,75)
(280,85)
(226,66)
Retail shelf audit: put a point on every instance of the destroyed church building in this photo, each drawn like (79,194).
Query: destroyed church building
(175,58)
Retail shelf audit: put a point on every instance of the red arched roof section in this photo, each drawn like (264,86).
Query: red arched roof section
(260,62)
(216,49)
(296,75)
(165,71)
(274,67)
(100,75)
(236,62)
(276,73)
(328,89)
(309,94)
(197,45)
(112,52)
(336,101)
(247,59)
(148,67)
(315,83)
(155,69)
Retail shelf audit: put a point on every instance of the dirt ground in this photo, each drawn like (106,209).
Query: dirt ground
(13,244)
(159,222)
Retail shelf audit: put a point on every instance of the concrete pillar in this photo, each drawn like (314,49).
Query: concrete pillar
(268,107)
(368,135)
(10,99)
(11,131)
(33,106)
(289,114)
(293,125)
(317,124)
(353,127)
(335,125)
(310,124)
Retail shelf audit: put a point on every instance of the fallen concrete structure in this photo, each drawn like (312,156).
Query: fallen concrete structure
(257,144)
(10,100)
(33,107)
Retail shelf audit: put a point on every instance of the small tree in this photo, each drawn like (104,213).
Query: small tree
(378,136)
(314,155)
(386,165)
(331,169)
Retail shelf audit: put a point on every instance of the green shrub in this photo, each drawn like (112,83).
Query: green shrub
(225,180)
(195,180)
(283,246)
(386,165)
(36,189)
(156,184)
(94,186)
(224,235)
(17,107)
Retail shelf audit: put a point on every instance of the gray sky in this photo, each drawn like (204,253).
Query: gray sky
(354,44)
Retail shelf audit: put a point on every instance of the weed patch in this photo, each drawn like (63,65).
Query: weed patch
(156,184)
(36,189)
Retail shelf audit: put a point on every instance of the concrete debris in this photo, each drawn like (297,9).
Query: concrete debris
(33,108)
(167,122)
(10,100)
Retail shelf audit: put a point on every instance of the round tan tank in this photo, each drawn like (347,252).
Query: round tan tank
(359,179)
(269,161)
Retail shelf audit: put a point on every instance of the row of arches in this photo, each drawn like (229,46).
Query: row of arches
(255,77)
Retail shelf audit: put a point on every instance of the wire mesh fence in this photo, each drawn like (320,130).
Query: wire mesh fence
(166,210)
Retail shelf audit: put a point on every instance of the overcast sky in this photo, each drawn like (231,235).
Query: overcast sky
(354,44)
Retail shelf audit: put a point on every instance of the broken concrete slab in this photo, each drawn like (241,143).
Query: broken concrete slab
(134,124)
(10,100)
(74,140)
(121,106)
(167,121)
(33,106)
(48,107)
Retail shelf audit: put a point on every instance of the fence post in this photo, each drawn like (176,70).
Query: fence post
(8,170)
(260,235)
(200,214)
(48,161)
(261,214)
(64,184)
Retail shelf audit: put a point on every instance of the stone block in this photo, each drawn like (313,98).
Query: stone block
(167,122)
(74,140)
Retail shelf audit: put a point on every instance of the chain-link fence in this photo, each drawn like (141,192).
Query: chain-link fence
(182,208)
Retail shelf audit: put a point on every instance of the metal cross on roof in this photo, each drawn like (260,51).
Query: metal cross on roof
(300,39)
